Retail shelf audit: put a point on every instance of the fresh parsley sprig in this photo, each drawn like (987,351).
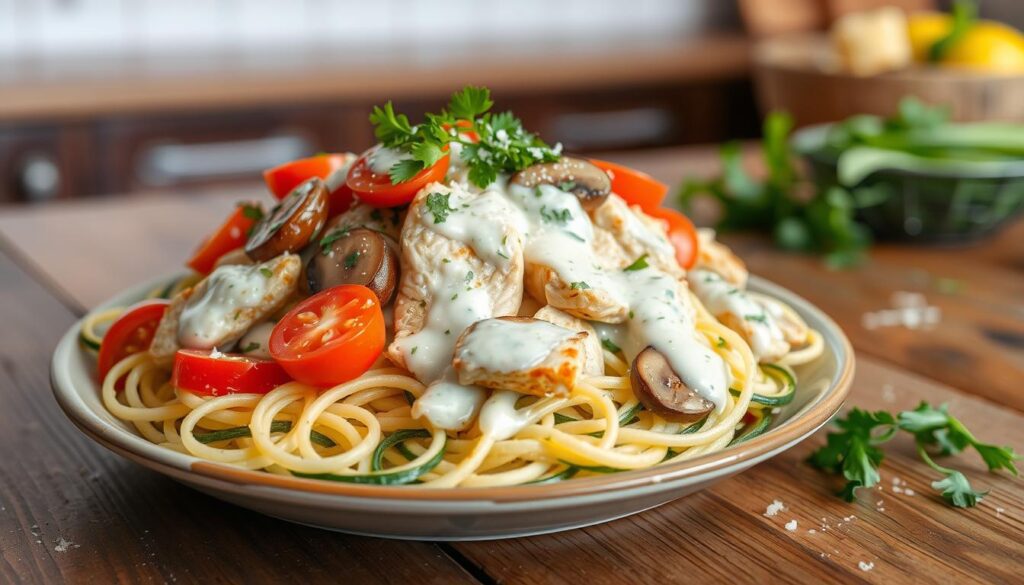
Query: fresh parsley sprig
(855,451)
(501,145)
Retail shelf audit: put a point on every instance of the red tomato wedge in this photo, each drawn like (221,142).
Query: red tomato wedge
(229,236)
(216,374)
(376,188)
(130,334)
(635,187)
(332,168)
(331,337)
(681,233)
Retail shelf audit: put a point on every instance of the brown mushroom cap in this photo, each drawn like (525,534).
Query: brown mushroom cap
(661,390)
(360,256)
(291,224)
(573,175)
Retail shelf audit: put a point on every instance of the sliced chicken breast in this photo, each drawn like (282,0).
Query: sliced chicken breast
(717,257)
(526,355)
(593,363)
(222,307)
(462,261)
(637,234)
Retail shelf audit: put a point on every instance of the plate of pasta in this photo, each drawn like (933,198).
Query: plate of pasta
(461,333)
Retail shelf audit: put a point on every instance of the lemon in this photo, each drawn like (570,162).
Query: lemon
(987,45)
(925,29)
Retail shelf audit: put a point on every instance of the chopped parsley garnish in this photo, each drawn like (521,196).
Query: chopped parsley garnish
(326,241)
(856,452)
(610,346)
(503,145)
(437,205)
(638,264)
(445,260)
(576,237)
(414,348)
(502,254)
(631,313)
(447,331)
(559,216)
(252,346)
(567,186)
(581,285)
(721,342)
(759,318)
(266,272)
(375,215)
(351,260)
(251,211)
(469,277)
(455,296)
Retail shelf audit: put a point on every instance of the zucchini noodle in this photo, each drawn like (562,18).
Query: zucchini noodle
(362,431)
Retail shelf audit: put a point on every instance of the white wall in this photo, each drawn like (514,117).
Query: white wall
(83,27)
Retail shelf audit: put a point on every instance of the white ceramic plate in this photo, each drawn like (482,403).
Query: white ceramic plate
(462,513)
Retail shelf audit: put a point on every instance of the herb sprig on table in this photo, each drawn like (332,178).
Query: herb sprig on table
(782,203)
(856,450)
(491,143)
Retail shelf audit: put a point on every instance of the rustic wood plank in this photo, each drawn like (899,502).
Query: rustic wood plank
(72,511)
(722,534)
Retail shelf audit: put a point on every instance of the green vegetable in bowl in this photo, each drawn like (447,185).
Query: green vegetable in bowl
(783,203)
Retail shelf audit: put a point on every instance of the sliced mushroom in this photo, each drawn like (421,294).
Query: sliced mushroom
(573,175)
(291,224)
(359,256)
(661,390)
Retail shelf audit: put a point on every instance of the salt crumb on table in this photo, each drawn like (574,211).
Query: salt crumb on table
(774,508)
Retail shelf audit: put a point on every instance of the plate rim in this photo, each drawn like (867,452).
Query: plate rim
(67,394)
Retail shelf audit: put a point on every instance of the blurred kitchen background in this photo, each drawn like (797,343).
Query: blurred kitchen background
(105,97)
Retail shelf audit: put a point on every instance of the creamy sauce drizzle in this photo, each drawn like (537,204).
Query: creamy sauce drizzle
(205,320)
(507,346)
(722,297)
(382,159)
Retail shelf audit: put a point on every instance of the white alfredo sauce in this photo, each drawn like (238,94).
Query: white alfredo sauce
(499,417)
(382,159)
(481,221)
(500,345)
(206,319)
(721,297)
(449,405)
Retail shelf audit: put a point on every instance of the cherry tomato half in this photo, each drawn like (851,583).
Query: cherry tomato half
(130,334)
(216,374)
(229,236)
(681,233)
(635,187)
(332,168)
(331,337)
(376,188)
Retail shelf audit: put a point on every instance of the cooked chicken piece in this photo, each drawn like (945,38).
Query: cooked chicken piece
(386,221)
(793,329)
(638,234)
(717,257)
(593,363)
(755,321)
(591,303)
(466,267)
(219,310)
(529,356)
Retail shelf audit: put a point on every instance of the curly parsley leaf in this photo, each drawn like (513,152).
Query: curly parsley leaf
(438,206)
(610,346)
(855,450)
(956,490)
(499,144)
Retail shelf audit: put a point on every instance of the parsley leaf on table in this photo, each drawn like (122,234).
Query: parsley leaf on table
(855,451)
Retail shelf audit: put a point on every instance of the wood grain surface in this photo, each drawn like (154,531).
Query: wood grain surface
(71,511)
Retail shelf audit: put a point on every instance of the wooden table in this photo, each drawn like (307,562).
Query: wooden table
(71,510)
